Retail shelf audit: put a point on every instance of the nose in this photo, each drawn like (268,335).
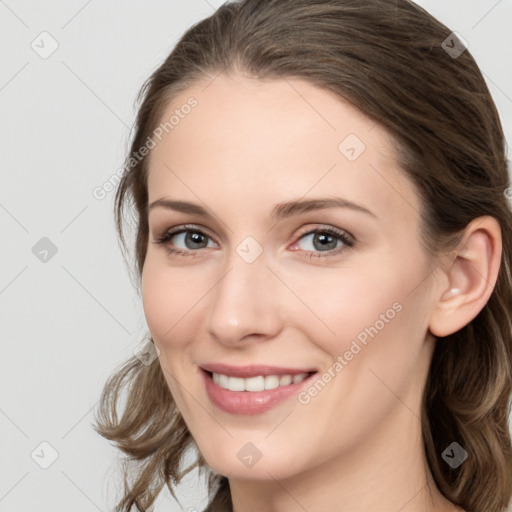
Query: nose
(245,303)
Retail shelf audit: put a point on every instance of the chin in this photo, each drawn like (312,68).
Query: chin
(265,468)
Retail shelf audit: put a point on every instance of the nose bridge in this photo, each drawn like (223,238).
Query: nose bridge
(244,300)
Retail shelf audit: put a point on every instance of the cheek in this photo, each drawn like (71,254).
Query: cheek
(339,304)
(370,315)
(167,299)
(168,302)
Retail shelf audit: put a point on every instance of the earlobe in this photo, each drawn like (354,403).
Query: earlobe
(471,278)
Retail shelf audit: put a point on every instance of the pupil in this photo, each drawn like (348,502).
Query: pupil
(195,238)
(324,240)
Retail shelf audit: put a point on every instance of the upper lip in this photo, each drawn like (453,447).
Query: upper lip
(253,370)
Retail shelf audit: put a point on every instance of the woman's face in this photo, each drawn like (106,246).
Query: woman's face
(273,272)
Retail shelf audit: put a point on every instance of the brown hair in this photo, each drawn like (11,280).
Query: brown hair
(387,59)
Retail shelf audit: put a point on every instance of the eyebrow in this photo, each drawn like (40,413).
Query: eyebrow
(279,212)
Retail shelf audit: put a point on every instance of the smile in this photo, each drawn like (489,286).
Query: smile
(258,383)
(252,395)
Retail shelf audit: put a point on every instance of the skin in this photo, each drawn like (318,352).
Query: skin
(248,145)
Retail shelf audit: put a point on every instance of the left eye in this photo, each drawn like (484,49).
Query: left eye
(323,240)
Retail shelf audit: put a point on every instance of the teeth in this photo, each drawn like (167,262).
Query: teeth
(235,384)
(254,383)
(271,382)
(259,383)
(223,381)
(285,380)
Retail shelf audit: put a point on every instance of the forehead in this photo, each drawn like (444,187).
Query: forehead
(255,138)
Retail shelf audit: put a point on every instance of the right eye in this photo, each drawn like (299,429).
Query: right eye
(190,238)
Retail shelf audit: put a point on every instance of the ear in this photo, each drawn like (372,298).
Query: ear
(469,280)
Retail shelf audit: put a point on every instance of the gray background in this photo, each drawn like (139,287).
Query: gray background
(70,320)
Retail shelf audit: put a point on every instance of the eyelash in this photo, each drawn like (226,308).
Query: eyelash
(347,240)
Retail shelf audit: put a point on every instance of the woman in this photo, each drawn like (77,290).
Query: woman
(323,241)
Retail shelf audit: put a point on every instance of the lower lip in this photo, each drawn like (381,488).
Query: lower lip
(249,402)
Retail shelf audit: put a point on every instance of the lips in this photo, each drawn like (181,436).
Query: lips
(238,402)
